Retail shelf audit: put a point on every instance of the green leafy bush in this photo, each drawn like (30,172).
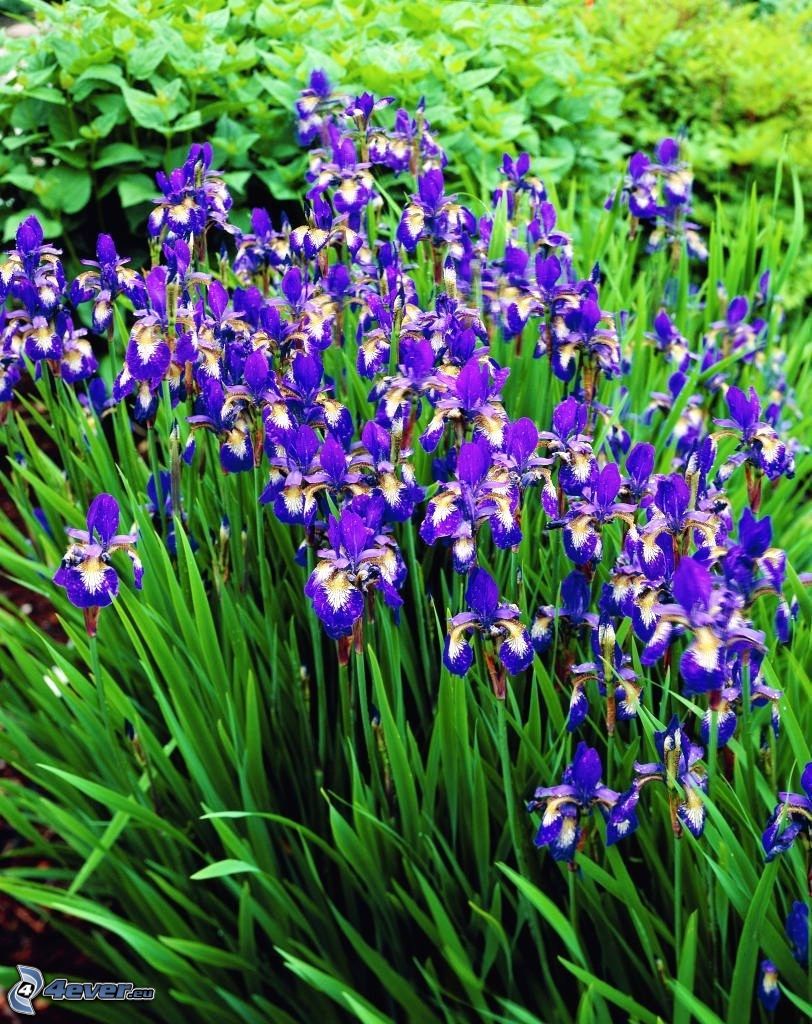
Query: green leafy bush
(106,88)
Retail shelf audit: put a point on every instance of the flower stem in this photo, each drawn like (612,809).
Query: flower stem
(517,836)
(98,679)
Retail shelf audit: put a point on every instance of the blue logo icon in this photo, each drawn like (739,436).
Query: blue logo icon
(22,993)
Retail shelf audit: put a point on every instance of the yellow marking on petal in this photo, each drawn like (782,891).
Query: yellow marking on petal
(646,605)
(348,191)
(580,531)
(293,498)
(237,442)
(706,648)
(456,642)
(391,488)
(337,590)
(280,417)
(332,411)
(442,507)
(389,565)
(492,428)
(181,212)
(579,464)
(415,219)
(516,639)
(567,834)
(464,549)
(92,571)
(693,808)
(770,445)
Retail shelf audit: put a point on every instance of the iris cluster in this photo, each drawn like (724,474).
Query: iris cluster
(658,194)
(425,305)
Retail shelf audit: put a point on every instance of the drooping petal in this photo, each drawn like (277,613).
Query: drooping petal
(515,650)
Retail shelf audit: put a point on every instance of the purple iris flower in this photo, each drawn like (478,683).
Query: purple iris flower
(399,396)
(727,702)
(542,232)
(586,516)
(568,618)
(797,928)
(508,293)
(359,560)
(325,228)
(791,818)
(262,249)
(735,334)
(567,805)
(518,180)
(433,214)
(460,507)
(718,635)
(110,277)
(658,192)
(384,468)
(192,197)
(473,397)
(229,423)
(293,459)
(640,188)
(10,371)
(305,397)
(33,272)
(150,358)
(572,448)
(76,361)
(768,991)
(759,445)
(673,517)
(586,331)
(677,769)
(85,573)
(616,680)
(315,106)
(519,460)
(374,343)
(639,466)
(497,622)
(753,568)
(346,180)
(669,341)
(408,146)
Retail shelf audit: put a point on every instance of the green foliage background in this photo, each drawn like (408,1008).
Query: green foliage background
(261,852)
(107,90)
